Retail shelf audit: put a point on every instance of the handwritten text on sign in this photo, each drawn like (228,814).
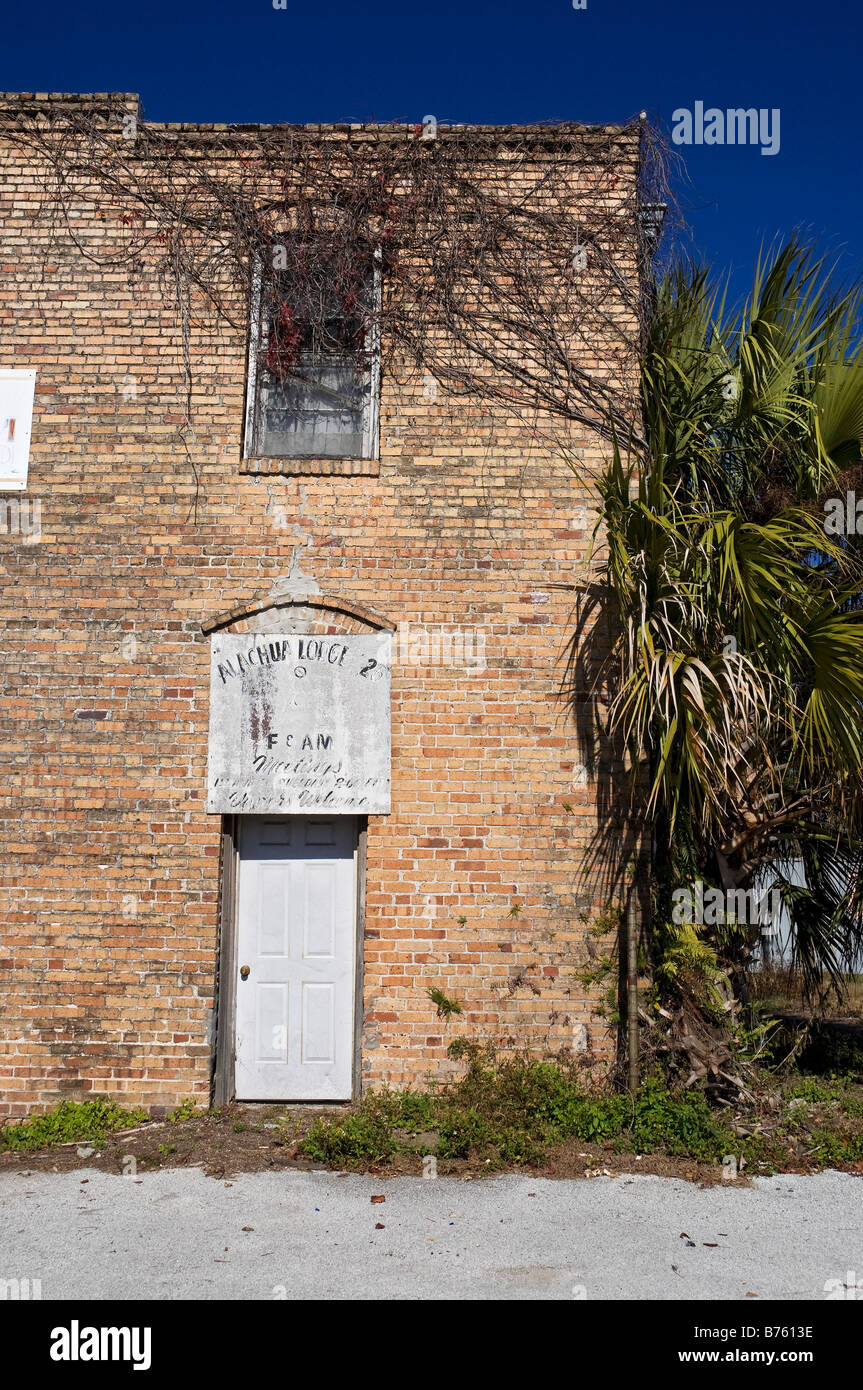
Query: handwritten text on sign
(300,724)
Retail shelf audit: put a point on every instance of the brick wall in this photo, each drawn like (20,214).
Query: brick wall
(109,887)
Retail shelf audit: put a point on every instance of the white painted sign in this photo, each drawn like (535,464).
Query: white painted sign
(300,724)
(17,386)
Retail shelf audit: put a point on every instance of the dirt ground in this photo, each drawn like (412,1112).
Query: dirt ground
(257,1138)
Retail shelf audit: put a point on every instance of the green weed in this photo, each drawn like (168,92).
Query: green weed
(89,1121)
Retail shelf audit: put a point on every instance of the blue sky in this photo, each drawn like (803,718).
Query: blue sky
(471,60)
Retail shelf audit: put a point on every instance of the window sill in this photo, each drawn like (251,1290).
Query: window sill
(306,467)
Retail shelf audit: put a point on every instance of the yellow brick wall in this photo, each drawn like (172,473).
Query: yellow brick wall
(109,885)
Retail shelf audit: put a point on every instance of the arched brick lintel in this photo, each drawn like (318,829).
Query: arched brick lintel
(329,602)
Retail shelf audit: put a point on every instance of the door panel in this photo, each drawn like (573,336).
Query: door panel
(296,933)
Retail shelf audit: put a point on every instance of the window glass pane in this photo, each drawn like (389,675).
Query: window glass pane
(317,412)
(316,364)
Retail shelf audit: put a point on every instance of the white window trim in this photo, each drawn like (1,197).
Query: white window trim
(252,373)
(371,409)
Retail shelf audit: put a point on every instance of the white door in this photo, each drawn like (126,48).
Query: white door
(296,934)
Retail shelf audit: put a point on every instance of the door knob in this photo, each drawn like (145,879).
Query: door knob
(244,971)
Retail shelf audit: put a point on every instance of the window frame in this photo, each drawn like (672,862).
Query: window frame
(371,404)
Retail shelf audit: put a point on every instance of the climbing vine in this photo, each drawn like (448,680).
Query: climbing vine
(510,261)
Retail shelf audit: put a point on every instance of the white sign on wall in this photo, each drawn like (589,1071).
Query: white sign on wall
(16,418)
(299,724)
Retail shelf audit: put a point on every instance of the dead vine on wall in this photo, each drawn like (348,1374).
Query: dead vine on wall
(512,262)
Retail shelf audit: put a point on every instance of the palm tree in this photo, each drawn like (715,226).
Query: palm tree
(737,663)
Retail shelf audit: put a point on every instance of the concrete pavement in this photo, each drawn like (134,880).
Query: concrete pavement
(176,1234)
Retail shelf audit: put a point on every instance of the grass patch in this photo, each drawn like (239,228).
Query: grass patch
(367,1136)
(186,1110)
(781,987)
(512,1111)
(89,1121)
(835,1146)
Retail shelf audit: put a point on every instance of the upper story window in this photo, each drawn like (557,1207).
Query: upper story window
(314,363)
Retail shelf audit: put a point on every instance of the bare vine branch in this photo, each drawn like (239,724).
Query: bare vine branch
(514,260)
